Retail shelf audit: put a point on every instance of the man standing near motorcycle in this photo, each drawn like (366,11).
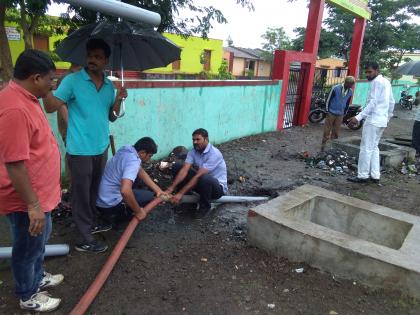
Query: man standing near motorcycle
(337,104)
(377,114)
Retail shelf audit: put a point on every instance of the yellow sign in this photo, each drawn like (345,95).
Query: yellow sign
(357,7)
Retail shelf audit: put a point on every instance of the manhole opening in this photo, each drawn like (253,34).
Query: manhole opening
(354,221)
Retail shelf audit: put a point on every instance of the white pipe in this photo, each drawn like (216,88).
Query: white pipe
(50,250)
(224,199)
(120,9)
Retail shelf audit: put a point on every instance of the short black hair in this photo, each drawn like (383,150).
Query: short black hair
(202,132)
(372,64)
(31,62)
(146,144)
(98,43)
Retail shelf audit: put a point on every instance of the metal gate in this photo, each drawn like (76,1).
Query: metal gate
(293,97)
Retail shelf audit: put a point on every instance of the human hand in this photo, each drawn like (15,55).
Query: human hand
(36,220)
(353,121)
(140,214)
(169,190)
(176,198)
(122,93)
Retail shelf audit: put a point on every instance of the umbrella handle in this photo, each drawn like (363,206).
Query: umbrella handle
(122,110)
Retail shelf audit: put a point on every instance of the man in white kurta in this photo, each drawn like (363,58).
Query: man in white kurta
(377,114)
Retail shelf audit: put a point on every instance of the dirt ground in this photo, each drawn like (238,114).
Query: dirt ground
(177,263)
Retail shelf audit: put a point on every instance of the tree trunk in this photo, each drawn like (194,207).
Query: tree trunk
(6,65)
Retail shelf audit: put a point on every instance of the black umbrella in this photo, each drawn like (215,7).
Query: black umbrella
(409,68)
(133,46)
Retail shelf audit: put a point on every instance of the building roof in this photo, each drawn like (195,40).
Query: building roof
(246,53)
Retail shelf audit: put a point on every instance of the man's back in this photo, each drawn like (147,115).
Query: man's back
(124,165)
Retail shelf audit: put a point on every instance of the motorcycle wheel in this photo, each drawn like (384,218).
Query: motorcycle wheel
(410,106)
(316,116)
(355,127)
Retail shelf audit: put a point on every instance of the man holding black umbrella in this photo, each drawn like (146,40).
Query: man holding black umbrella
(91,102)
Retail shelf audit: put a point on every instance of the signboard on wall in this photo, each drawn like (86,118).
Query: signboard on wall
(357,7)
(12,33)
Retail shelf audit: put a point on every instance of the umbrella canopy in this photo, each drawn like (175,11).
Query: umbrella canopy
(133,46)
(409,68)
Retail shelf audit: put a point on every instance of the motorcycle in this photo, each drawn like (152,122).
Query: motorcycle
(318,114)
(406,100)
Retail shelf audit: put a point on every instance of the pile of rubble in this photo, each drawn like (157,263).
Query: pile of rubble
(334,162)
(409,168)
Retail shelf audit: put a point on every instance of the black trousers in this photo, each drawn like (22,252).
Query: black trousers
(121,212)
(86,173)
(416,136)
(207,187)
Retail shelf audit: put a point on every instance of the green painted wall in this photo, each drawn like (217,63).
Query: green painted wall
(192,48)
(362,88)
(170,115)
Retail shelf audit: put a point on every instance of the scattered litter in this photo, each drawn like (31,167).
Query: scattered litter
(203,259)
(408,168)
(333,162)
(286,290)
(299,270)
(271,306)
(236,267)
(354,282)
(163,165)
(241,179)
(333,313)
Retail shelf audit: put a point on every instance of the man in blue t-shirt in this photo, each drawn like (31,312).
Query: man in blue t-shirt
(337,105)
(203,171)
(116,197)
(91,103)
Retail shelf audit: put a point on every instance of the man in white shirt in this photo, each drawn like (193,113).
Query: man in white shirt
(377,114)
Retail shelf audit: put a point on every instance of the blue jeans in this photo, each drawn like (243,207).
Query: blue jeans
(27,253)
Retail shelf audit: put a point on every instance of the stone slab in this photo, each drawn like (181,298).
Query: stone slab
(391,154)
(348,237)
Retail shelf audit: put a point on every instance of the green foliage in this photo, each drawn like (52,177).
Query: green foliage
(223,72)
(199,21)
(389,34)
(274,38)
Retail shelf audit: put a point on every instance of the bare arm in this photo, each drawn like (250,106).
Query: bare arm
(129,198)
(116,107)
(52,103)
(150,183)
(19,177)
(183,172)
(193,182)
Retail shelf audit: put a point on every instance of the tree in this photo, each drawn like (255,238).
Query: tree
(6,65)
(389,34)
(199,22)
(28,16)
(328,43)
(274,38)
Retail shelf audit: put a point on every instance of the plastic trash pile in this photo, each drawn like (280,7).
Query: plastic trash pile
(408,168)
(334,162)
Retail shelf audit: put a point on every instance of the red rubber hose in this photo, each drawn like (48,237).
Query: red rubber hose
(100,279)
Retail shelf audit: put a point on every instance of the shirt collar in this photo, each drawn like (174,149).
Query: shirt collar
(13,85)
(207,149)
(87,77)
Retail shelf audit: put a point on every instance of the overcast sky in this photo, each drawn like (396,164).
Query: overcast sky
(246,27)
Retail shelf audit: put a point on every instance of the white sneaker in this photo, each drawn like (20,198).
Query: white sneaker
(50,280)
(40,302)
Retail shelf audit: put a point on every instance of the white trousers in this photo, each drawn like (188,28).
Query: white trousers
(369,163)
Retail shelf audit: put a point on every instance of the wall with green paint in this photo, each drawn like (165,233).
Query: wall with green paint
(192,48)
(362,89)
(170,115)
